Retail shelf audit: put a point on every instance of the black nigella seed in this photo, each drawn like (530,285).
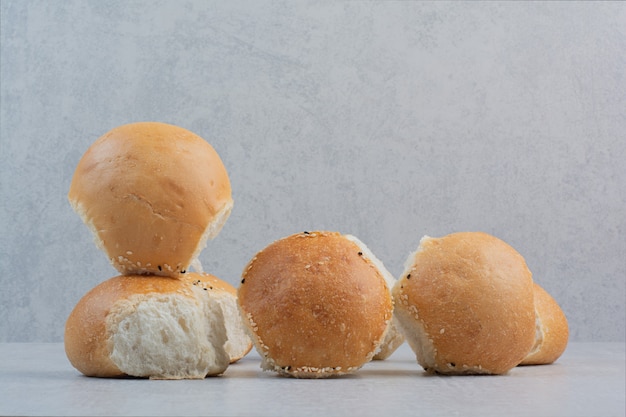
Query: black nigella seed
(305,232)
(408,276)
(243,280)
(160,269)
(183,271)
(360,253)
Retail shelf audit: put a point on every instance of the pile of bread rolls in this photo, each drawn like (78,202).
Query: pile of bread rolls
(152,194)
(314,304)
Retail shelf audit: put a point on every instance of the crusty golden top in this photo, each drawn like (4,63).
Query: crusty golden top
(149,191)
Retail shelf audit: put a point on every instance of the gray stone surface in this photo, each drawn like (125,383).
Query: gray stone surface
(385,120)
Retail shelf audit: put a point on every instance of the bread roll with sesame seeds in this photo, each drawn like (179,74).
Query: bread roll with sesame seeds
(552,330)
(152,194)
(147,326)
(238,343)
(465,304)
(316,304)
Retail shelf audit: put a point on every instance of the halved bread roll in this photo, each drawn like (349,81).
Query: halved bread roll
(147,326)
(152,194)
(316,305)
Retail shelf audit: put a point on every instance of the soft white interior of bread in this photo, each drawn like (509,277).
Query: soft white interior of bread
(213,229)
(79,208)
(168,336)
(389,279)
(238,342)
(538,335)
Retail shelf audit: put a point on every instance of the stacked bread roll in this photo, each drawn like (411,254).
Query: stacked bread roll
(153,194)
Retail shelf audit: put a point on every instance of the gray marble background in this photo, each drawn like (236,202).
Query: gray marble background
(386,120)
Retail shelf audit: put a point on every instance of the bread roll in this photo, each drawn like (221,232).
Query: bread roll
(316,305)
(147,326)
(465,304)
(239,343)
(552,331)
(152,194)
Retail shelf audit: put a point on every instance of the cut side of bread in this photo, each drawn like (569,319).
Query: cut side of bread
(145,326)
(238,343)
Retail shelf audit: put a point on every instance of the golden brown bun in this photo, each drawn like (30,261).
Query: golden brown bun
(239,343)
(147,326)
(465,303)
(316,305)
(552,331)
(152,194)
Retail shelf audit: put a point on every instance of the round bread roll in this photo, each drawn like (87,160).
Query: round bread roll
(152,194)
(239,343)
(465,304)
(316,305)
(147,326)
(552,331)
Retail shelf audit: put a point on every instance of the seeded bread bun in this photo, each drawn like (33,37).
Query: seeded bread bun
(316,305)
(465,304)
(552,331)
(152,194)
(147,326)
(239,343)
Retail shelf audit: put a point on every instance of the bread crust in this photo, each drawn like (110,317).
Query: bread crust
(315,305)
(152,194)
(552,332)
(465,303)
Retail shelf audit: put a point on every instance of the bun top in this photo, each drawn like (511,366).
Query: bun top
(152,194)
(315,303)
(467,299)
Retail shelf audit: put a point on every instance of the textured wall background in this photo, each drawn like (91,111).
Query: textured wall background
(386,120)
